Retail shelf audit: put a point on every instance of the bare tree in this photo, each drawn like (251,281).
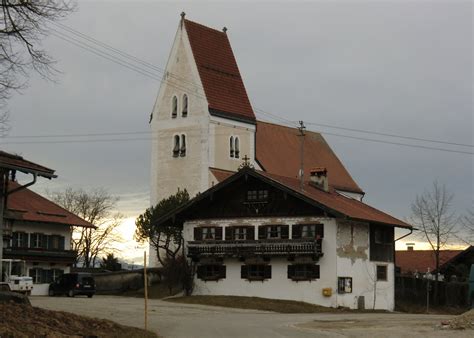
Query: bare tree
(467,222)
(23,24)
(432,214)
(96,207)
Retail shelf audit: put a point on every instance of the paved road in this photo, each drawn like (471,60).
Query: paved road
(182,320)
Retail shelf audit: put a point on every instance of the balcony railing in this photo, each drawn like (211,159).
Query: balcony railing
(44,254)
(250,248)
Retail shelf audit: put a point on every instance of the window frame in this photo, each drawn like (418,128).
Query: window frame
(185,108)
(256,272)
(182,146)
(236,147)
(304,272)
(384,273)
(342,285)
(217,271)
(176,145)
(174,106)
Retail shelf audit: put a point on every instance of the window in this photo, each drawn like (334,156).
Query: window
(231,146)
(182,149)
(174,107)
(344,285)
(38,241)
(176,146)
(273,232)
(307,231)
(303,272)
(236,147)
(55,242)
(211,272)
(257,195)
(19,240)
(239,233)
(381,273)
(256,272)
(208,233)
(184,112)
(37,275)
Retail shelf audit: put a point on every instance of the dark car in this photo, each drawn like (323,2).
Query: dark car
(72,284)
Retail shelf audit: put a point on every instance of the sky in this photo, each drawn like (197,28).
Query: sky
(397,67)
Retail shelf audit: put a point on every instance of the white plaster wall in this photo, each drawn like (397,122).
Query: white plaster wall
(279,286)
(353,255)
(47,229)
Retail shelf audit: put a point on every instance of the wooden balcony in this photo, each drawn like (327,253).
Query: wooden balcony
(285,247)
(41,255)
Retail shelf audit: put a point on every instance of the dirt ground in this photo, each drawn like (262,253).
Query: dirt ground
(20,320)
(192,320)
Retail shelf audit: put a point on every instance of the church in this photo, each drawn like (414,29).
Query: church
(264,223)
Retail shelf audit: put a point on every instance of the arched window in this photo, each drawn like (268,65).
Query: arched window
(182,151)
(237,147)
(174,107)
(231,146)
(176,146)
(184,113)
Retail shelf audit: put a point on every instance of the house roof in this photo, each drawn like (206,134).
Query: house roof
(411,261)
(332,202)
(16,162)
(219,73)
(27,205)
(284,159)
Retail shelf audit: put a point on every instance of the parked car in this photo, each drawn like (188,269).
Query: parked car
(72,284)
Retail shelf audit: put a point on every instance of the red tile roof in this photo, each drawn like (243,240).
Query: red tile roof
(27,205)
(17,162)
(278,151)
(219,73)
(332,200)
(411,261)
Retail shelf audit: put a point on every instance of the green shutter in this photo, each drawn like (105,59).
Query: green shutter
(197,234)
(15,240)
(200,271)
(222,271)
(261,232)
(296,231)
(44,241)
(24,239)
(267,271)
(219,234)
(251,233)
(62,241)
(291,271)
(320,230)
(244,271)
(285,230)
(229,233)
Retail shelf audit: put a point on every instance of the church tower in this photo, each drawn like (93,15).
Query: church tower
(202,117)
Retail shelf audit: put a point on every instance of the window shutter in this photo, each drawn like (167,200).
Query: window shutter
(200,271)
(44,241)
(267,271)
(285,230)
(15,240)
(219,234)
(24,240)
(251,233)
(296,231)
(197,234)
(315,272)
(291,271)
(62,241)
(31,273)
(222,271)
(229,233)
(244,271)
(320,230)
(261,232)
(50,242)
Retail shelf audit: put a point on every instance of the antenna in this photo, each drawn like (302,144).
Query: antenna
(301,129)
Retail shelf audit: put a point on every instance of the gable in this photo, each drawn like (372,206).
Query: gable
(278,152)
(219,73)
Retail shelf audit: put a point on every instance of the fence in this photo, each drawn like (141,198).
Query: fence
(413,290)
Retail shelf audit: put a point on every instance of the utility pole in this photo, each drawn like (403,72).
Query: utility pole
(301,129)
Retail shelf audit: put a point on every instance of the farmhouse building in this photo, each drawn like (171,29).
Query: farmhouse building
(270,229)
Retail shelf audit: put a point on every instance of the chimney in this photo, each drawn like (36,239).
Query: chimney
(319,178)
(410,246)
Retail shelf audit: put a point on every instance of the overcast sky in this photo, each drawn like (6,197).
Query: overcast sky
(401,67)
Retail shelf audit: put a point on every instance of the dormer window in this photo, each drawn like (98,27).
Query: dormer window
(174,107)
(182,150)
(184,113)
(231,146)
(176,146)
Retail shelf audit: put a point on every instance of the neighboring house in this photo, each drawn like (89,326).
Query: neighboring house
(260,235)
(204,123)
(39,232)
(454,264)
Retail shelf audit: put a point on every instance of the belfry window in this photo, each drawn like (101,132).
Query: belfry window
(184,112)
(236,147)
(174,107)
(176,146)
(182,149)
(231,146)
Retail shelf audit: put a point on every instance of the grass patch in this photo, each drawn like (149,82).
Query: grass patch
(255,303)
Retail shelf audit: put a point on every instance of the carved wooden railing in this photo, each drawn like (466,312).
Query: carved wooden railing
(261,247)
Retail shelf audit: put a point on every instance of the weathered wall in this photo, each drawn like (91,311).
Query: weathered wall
(353,254)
